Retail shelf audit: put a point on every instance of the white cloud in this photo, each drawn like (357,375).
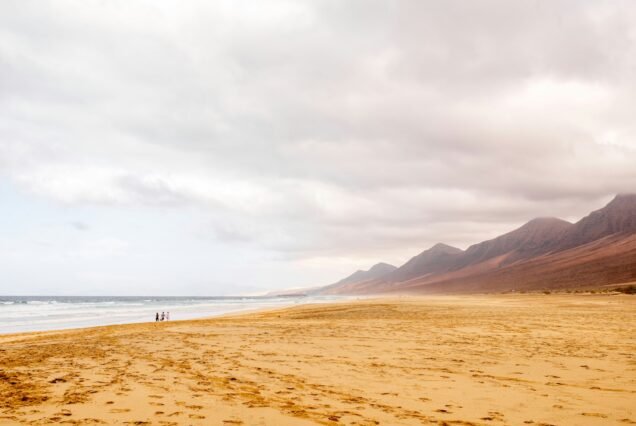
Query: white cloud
(322,130)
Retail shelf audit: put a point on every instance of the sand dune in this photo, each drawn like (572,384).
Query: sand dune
(535,360)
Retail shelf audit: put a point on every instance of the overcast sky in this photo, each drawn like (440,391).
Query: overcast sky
(224,147)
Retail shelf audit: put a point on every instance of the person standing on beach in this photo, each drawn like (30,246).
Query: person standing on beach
(157,317)
(163,316)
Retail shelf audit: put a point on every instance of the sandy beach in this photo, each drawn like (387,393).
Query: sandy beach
(483,360)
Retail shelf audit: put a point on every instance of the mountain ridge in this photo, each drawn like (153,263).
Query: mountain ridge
(520,258)
(377,271)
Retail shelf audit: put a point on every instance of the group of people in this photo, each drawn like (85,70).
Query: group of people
(165,316)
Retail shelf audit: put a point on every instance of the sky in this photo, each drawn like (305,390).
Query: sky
(233,147)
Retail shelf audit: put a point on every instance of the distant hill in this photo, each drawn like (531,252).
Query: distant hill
(377,271)
(545,253)
(437,259)
(293,292)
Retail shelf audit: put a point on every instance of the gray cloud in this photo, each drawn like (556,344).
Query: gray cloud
(324,128)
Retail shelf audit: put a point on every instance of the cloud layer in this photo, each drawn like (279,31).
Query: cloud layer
(322,131)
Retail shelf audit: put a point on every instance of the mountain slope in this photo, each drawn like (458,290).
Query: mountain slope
(534,238)
(437,259)
(377,271)
(619,216)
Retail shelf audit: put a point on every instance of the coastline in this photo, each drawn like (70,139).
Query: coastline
(558,359)
(19,314)
(233,314)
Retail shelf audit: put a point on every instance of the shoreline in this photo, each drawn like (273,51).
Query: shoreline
(232,314)
(55,315)
(124,324)
(346,299)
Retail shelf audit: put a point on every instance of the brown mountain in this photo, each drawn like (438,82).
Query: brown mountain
(377,271)
(439,258)
(618,217)
(607,261)
(536,237)
(598,250)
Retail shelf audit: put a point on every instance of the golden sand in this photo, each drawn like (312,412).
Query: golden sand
(490,360)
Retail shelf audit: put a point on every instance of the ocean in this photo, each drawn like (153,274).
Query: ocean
(39,313)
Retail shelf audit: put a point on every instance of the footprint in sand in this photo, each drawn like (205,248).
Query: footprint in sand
(196,416)
(601,415)
(194,407)
(493,415)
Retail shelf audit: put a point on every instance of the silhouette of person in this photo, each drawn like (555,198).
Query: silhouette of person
(157,317)
(163,316)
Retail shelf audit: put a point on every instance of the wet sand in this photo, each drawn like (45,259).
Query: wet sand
(487,360)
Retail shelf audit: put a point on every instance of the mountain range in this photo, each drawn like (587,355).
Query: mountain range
(545,253)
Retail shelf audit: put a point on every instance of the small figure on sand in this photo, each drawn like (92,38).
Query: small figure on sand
(163,316)
(157,317)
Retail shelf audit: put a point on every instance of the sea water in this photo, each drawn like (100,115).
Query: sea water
(39,313)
